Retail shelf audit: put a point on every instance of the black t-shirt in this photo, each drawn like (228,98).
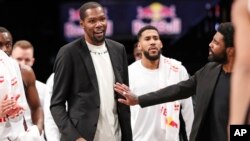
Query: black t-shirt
(214,127)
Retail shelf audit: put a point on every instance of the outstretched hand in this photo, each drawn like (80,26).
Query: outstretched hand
(130,98)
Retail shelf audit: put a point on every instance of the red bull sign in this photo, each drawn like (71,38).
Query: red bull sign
(161,16)
(172,18)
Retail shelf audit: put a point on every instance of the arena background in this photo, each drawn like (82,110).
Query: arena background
(41,22)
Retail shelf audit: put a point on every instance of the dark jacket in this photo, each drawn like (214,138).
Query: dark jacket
(76,82)
(202,83)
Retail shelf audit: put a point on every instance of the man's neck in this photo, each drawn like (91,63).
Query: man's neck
(228,68)
(150,64)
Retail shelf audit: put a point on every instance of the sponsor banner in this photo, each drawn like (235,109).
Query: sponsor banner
(172,18)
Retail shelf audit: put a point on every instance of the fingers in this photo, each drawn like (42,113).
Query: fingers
(8,105)
(15,112)
(123,101)
(20,107)
(16,97)
(121,87)
(123,90)
(130,98)
(118,88)
(125,87)
(5,97)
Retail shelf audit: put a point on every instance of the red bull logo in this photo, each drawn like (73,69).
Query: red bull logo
(156,12)
(158,15)
(171,122)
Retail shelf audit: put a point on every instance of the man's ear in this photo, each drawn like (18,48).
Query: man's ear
(161,44)
(139,46)
(82,24)
(231,51)
(32,61)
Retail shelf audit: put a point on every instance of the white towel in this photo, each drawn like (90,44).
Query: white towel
(11,84)
(170,73)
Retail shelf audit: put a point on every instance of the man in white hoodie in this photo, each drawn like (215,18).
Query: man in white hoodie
(152,72)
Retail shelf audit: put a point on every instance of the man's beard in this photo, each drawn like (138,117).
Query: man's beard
(150,57)
(219,58)
(99,40)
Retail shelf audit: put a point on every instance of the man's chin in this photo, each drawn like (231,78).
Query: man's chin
(153,58)
(211,59)
(217,61)
(100,39)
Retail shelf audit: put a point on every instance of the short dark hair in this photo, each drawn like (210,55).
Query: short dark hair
(3,29)
(86,6)
(227,30)
(147,27)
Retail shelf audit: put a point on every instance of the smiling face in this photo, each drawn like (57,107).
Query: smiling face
(94,25)
(217,49)
(150,44)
